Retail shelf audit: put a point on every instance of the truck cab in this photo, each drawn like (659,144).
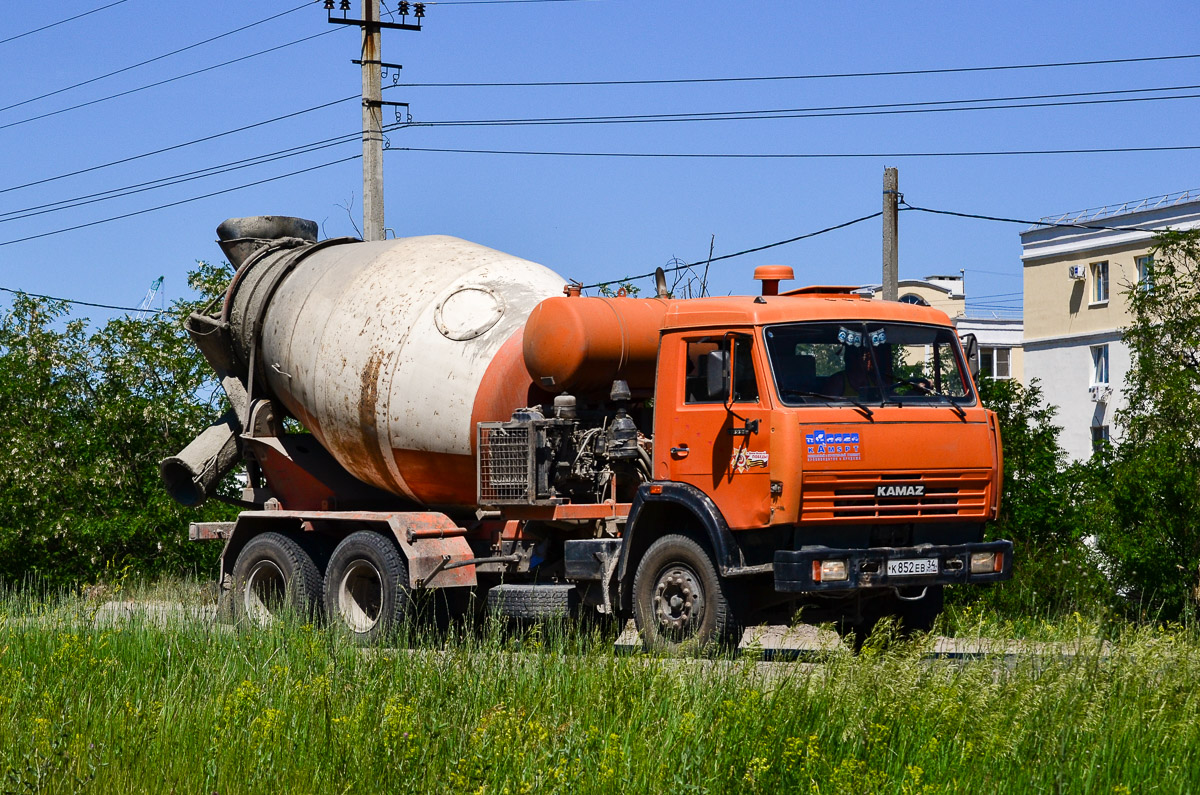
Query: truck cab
(839,445)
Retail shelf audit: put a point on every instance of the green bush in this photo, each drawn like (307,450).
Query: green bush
(1048,508)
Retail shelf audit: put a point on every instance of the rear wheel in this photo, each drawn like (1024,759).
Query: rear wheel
(366,586)
(681,604)
(274,576)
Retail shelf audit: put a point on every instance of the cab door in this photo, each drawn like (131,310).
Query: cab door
(712,424)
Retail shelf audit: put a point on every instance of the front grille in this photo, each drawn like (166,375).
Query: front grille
(851,496)
(505,463)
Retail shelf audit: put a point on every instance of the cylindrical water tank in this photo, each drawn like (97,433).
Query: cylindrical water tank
(579,344)
(391,352)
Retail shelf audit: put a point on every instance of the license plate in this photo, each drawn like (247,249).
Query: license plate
(909,566)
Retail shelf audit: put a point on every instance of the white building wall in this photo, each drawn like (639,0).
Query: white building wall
(1063,367)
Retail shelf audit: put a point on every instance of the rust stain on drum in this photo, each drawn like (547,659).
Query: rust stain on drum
(367,404)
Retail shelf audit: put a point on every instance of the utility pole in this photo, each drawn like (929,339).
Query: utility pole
(372,123)
(372,100)
(891,254)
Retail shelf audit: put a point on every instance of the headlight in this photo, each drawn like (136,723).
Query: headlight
(986,562)
(829,570)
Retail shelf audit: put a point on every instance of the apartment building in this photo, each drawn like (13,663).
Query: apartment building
(1076,282)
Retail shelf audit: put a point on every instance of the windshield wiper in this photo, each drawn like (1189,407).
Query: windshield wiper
(864,408)
(926,390)
(957,409)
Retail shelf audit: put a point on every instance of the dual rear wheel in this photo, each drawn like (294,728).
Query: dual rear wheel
(364,588)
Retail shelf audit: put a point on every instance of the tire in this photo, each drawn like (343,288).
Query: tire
(680,603)
(272,577)
(366,587)
(533,602)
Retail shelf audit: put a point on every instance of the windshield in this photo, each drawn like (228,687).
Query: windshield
(867,363)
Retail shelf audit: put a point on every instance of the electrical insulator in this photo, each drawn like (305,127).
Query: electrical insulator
(345,5)
(420,10)
(328,5)
(404,9)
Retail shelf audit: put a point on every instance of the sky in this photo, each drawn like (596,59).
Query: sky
(590,219)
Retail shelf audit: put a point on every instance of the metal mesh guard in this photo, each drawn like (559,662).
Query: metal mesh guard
(505,458)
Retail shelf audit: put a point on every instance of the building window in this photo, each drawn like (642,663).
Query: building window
(1099,365)
(1145,272)
(994,363)
(1099,282)
(1099,436)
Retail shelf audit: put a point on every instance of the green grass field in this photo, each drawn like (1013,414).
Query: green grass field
(193,707)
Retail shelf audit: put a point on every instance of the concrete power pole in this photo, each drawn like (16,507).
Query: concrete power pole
(372,123)
(372,97)
(891,253)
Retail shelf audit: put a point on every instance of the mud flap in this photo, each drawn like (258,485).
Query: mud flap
(433,544)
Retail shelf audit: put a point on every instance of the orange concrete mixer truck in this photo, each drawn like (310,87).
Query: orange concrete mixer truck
(473,427)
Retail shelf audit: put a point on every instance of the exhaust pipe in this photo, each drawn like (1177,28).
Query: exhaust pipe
(194,473)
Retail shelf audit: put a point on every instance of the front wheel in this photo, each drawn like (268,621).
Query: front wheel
(681,603)
(366,586)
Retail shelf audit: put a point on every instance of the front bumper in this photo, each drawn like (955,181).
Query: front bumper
(867,568)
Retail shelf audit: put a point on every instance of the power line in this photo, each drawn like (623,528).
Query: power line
(804,155)
(710,260)
(167,80)
(882,109)
(993,273)
(83,303)
(177,146)
(906,206)
(820,76)
(152,60)
(176,179)
(177,203)
(60,22)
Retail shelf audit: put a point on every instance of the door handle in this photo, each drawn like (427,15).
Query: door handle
(681,451)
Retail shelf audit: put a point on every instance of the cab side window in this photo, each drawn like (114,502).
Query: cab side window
(712,362)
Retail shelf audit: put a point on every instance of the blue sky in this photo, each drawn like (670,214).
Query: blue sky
(590,219)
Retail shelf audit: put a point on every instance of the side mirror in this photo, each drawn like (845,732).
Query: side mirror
(716,374)
(971,351)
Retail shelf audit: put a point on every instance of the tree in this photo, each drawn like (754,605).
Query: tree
(1048,508)
(84,420)
(1154,539)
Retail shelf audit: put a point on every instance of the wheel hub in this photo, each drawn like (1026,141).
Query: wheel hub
(360,596)
(264,593)
(678,600)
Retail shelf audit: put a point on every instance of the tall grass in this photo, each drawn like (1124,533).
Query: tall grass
(188,706)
